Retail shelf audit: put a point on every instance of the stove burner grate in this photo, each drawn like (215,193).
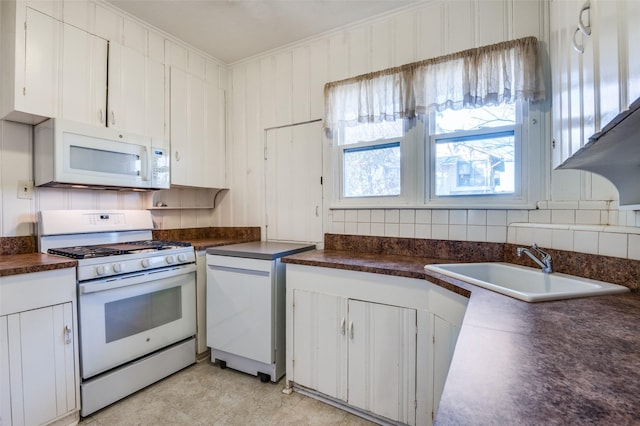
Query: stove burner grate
(87,252)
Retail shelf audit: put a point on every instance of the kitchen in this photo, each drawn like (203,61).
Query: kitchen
(578,213)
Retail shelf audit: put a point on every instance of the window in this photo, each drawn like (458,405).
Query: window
(478,157)
(475,151)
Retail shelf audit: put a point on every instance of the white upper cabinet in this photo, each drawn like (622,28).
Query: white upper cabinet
(197,131)
(197,120)
(83,82)
(595,73)
(29,63)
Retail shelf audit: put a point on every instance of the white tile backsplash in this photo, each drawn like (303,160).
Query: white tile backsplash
(540,216)
(572,230)
(364,228)
(612,244)
(407,216)
(392,216)
(377,216)
(392,229)
(439,232)
(458,217)
(440,217)
(407,230)
(634,247)
(351,216)
(458,232)
(364,216)
(423,216)
(586,241)
(562,239)
(477,233)
(477,217)
(497,217)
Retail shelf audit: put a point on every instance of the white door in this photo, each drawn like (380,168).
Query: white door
(294,183)
(319,342)
(382,360)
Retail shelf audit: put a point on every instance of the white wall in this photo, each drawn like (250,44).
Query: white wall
(285,86)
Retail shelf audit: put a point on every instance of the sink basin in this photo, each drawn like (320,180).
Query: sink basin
(528,284)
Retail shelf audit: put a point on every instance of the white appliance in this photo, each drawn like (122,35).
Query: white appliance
(69,154)
(246,297)
(136,299)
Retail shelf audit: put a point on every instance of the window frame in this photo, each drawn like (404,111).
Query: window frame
(417,151)
(412,133)
(528,164)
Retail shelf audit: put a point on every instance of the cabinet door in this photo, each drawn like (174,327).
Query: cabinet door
(179,121)
(84,76)
(214,147)
(197,131)
(382,360)
(41,355)
(445,336)
(319,343)
(40,64)
(5,384)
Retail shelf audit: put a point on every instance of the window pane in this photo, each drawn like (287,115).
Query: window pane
(369,132)
(449,121)
(372,171)
(480,164)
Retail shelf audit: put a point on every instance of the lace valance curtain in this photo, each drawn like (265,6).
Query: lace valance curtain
(489,75)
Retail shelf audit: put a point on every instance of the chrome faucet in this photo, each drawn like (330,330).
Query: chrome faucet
(545,258)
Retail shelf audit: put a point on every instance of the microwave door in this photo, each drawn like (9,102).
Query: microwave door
(95,161)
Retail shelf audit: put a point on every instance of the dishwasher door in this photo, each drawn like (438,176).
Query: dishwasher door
(240,307)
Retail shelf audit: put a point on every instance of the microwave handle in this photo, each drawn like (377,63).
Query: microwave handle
(144,164)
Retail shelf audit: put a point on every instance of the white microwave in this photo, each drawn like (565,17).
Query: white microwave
(70,154)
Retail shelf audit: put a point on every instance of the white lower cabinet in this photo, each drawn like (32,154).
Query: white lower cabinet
(370,347)
(38,350)
(370,342)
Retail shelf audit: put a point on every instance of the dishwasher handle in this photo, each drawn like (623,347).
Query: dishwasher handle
(238,270)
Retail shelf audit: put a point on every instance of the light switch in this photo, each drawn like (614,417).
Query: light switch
(25,189)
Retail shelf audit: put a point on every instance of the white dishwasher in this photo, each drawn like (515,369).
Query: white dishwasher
(246,294)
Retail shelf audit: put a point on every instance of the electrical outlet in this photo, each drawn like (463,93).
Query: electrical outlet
(25,189)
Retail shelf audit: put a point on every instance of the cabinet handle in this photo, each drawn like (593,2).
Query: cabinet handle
(577,47)
(351,330)
(113,118)
(177,156)
(343,324)
(67,334)
(101,117)
(317,211)
(585,28)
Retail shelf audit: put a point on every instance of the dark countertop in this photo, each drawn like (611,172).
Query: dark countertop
(14,264)
(564,362)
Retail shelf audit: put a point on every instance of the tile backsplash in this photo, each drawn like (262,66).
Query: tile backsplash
(586,227)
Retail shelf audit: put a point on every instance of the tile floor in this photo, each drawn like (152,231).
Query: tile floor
(204,394)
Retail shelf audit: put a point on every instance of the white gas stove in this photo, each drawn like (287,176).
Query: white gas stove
(136,299)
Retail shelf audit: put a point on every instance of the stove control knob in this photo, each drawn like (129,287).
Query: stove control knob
(117,268)
(145,263)
(170,259)
(102,270)
(182,258)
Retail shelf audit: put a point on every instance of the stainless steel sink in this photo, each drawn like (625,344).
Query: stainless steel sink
(528,284)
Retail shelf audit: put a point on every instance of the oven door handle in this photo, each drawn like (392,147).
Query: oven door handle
(135,278)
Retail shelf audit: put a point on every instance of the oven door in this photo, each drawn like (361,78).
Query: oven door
(124,318)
